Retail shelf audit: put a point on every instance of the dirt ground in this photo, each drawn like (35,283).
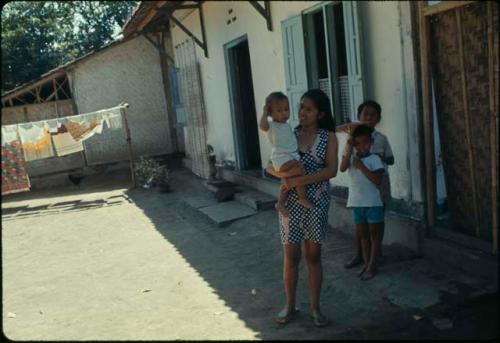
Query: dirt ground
(101,262)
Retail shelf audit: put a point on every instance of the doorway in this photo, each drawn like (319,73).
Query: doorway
(244,115)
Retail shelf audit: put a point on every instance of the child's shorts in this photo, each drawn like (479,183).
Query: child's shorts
(370,215)
(280,159)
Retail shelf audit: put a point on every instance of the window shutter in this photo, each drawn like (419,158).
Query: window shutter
(295,63)
(352,28)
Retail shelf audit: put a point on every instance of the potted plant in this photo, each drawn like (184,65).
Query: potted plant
(153,175)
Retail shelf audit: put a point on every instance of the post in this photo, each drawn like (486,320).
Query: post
(468,133)
(129,143)
(493,132)
(427,117)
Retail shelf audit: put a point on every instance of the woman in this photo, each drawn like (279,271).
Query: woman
(318,153)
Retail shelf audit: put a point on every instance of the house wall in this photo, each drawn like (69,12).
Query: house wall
(389,76)
(129,72)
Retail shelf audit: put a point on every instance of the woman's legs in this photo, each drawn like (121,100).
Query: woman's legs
(312,251)
(291,259)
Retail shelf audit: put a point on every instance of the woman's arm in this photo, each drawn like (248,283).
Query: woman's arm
(264,124)
(323,174)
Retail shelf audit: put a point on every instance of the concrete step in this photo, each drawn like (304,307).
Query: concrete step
(255,199)
(224,213)
(469,260)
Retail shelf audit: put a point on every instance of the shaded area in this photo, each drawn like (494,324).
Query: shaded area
(246,256)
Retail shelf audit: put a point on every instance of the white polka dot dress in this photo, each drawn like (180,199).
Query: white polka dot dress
(311,223)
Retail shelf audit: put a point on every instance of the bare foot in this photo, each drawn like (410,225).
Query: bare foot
(367,275)
(354,262)
(362,270)
(282,209)
(306,203)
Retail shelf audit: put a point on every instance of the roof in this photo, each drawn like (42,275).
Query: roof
(139,14)
(63,67)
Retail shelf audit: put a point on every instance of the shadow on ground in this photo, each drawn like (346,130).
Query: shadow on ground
(246,256)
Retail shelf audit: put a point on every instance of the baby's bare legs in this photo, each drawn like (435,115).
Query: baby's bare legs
(294,168)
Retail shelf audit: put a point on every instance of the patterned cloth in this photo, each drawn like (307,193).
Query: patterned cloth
(14,176)
(311,223)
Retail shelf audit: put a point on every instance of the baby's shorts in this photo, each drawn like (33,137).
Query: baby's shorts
(370,215)
(280,159)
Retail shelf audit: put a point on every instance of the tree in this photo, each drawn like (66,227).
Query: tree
(38,36)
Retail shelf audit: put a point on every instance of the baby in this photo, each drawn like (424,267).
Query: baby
(284,155)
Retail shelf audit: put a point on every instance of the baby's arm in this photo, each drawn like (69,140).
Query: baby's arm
(264,124)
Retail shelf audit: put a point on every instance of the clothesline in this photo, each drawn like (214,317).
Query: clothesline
(52,137)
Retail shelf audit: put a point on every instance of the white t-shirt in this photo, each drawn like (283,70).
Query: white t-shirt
(381,146)
(282,138)
(363,192)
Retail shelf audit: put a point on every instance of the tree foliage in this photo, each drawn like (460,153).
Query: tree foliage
(38,36)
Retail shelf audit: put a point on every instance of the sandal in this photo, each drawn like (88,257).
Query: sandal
(284,317)
(319,320)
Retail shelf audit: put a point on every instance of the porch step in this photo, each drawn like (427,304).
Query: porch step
(472,261)
(255,199)
(222,190)
(225,213)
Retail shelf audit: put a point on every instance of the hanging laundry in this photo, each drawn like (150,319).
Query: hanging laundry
(65,144)
(36,141)
(14,176)
(113,118)
(80,129)
(51,125)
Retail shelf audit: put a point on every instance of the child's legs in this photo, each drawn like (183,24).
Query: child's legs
(282,195)
(365,241)
(375,216)
(375,242)
(292,168)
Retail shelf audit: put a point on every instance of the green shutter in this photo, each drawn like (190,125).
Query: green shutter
(352,27)
(295,63)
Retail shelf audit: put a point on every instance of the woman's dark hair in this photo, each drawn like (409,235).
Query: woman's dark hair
(322,103)
(373,104)
(361,130)
(274,96)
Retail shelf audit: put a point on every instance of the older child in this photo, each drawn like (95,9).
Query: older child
(365,171)
(284,156)
(370,114)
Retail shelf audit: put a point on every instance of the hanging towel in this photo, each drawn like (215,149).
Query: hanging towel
(113,119)
(51,125)
(82,129)
(36,141)
(14,176)
(65,144)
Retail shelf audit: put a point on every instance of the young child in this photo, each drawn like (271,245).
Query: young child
(370,114)
(365,171)
(284,155)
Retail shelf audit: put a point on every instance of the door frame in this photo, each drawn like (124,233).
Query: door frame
(240,154)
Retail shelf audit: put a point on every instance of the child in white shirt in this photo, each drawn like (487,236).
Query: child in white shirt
(366,171)
(284,156)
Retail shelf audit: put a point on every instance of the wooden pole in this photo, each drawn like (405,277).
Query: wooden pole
(129,143)
(468,137)
(493,132)
(427,118)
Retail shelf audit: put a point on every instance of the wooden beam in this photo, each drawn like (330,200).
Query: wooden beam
(427,118)
(151,41)
(150,15)
(171,115)
(28,87)
(264,12)
(186,31)
(468,133)
(54,83)
(444,6)
(202,24)
(493,131)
